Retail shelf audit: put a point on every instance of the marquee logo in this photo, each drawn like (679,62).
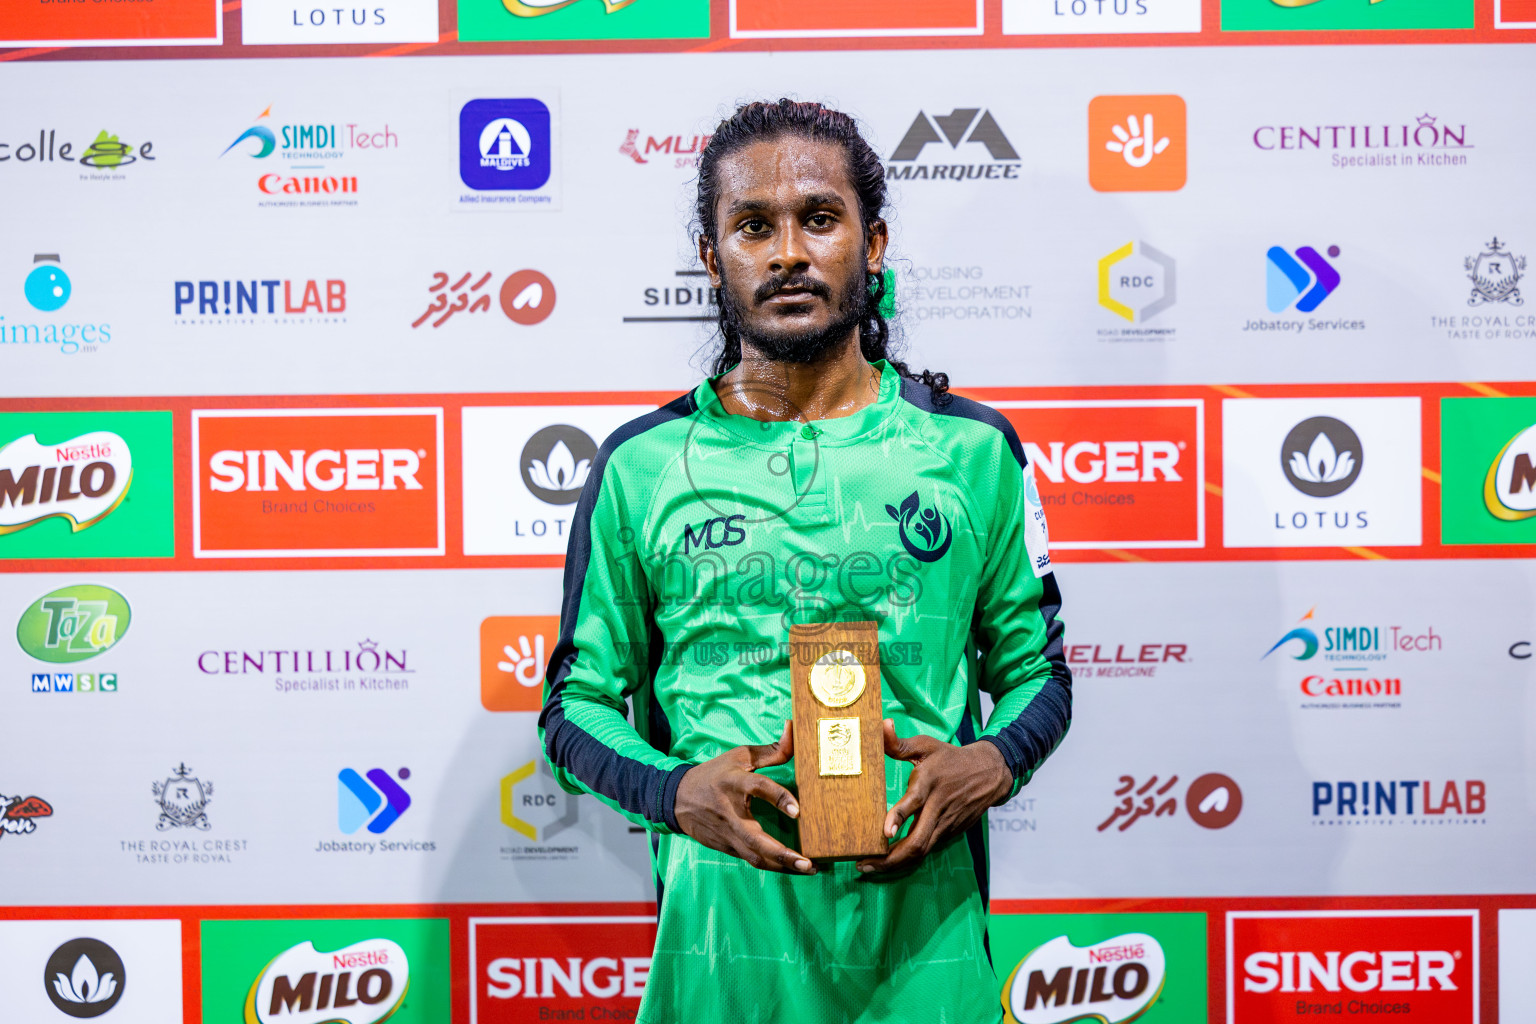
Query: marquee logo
(970,126)
(346,482)
(377,801)
(1136,143)
(73,624)
(1304,280)
(524,970)
(80,480)
(1114,981)
(363,983)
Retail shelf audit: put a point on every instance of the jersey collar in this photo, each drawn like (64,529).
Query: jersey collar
(777,433)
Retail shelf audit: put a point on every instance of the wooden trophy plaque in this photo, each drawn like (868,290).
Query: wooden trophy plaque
(834,672)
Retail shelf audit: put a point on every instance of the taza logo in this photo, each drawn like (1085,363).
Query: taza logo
(73,623)
(183,800)
(80,480)
(363,983)
(1113,982)
(1321,456)
(85,978)
(924,532)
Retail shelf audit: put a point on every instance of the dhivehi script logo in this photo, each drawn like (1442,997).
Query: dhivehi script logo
(1509,490)
(363,983)
(80,480)
(1112,982)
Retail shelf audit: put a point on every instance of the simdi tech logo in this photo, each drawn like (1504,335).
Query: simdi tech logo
(86,485)
(514,654)
(1337,15)
(327,971)
(307,147)
(47,288)
(1137,143)
(485,20)
(271,483)
(524,970)
(1353,964)
(1488,470)
(1105,968)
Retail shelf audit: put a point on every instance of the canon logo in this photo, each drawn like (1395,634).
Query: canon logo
(1360,971)
(1088,462)
(326,469)
(537,977)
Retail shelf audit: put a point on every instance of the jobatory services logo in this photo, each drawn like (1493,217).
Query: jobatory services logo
(334,149)
(1137,143)
(770,19)
(1105,968)
(1488,470)
(1422,140)
(19,814)
(1116,474)
(1363,802)
(1299,282)
(529,969)
(103,157)
(1137,282)
(86,978)
(1302,472)
(483,20)
(1348,663)
(47,288)
(372,801)
(526,297)
(1355,965)
(1212,801)
(265,301)
(339,482)
(676,151)
(514,654)
(1342,15)
(331,971)
(303,22)
(86,484)
(70,625)
(973,127)
(507,152)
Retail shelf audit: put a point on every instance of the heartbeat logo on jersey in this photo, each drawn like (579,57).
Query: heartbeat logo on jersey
(925,532)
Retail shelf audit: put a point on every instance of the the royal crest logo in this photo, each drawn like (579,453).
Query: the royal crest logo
(183,800)
(80,480)
(363,983)
(1495,275)
(925,532)
(1112,982)
(19,814)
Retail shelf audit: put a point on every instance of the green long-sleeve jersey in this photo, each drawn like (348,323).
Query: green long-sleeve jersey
(699,538)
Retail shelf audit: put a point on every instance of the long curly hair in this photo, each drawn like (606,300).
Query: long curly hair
(759,121)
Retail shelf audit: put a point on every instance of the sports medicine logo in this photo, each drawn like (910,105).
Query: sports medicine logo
(971,126)
(514,654)
(363,983)
(85,978)
(1137,143)
(670,150)
(526,970)
(47,289)
(506,146)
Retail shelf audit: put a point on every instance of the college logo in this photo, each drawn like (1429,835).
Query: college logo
(1137,282)
(514,654)
(1352,963)
(1113,981)
(1136,143)
(105,152)
(527,297)
(1495,275)
(1116,474)
(362,983)
(972,126)
(85,978)
(504,145)
(377,801)
(341,482)
(183,800)
(524,970)
(1212,801)
(19,814)
(1321,456)
(534,805)
(924,532)
(73,624)
(1303,280)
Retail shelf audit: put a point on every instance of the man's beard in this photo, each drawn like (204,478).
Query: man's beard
(797,346)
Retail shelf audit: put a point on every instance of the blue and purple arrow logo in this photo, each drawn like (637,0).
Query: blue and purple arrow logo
(1306,274)
(359,800)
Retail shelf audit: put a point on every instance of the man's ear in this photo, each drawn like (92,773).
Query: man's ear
(879,236)
(711,264)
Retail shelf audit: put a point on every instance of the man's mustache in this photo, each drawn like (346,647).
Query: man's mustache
(781,282)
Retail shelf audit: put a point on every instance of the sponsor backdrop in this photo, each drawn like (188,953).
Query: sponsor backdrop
(306,359)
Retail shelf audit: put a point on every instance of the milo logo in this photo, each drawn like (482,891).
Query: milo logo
(1509,489)
(79,480)
(1114,981)
(363,983)
(73,623)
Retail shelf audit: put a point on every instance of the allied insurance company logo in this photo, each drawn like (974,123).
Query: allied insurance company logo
(1114,981)
(308,147)
(1421,964)
(374,800)
(71,625)
(529,969)
(505,145)
(514,655)
(80,480)
(1137,143)
(47,288)
(971,127)
(338,482)
(526,297)
(363,983)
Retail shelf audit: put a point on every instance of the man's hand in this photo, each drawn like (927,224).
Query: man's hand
(950,789)
(714,805)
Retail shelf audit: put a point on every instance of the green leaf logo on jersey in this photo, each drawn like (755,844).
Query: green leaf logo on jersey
(925,532)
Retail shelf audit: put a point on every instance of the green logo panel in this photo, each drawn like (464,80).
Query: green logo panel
(483,20)
(86,485)
(1486,480)
(303,962)
(1333,15)
(1112,968)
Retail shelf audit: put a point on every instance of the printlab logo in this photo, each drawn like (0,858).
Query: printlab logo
(1212,801)
(47,289)
(1137,282)
(1495,275)
(675,150)
(1322,456)
(85,978)
(1388,801)
(19,814)
(363,983)
(534,805)
(969,126)
(527,297)
(80,480)
(269,301)
(183,800)
(1303,280)
(924,532)
(1137,143)
(376,801)
(1059,982)
(504,145)
(513,658)
(556,462)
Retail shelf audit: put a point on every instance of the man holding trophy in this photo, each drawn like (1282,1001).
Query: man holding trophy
(817,557)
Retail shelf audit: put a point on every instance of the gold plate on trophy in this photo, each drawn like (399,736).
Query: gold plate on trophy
(837,678)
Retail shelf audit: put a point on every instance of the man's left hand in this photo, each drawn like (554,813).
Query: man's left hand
(950,789)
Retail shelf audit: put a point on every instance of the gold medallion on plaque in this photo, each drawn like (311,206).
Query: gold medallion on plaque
(837,678)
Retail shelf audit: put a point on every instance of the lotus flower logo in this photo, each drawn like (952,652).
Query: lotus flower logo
(1321,456)
(556,462)
(562,471)
(84,978)
(925,532)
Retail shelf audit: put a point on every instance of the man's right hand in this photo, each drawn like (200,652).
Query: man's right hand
(714,805)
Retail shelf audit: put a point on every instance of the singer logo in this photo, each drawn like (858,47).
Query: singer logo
(558,968)
(1352,964)
(278,482)
(1117,474)
(361,984)
(514,653)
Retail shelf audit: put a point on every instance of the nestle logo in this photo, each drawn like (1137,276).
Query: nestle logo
(377,956)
